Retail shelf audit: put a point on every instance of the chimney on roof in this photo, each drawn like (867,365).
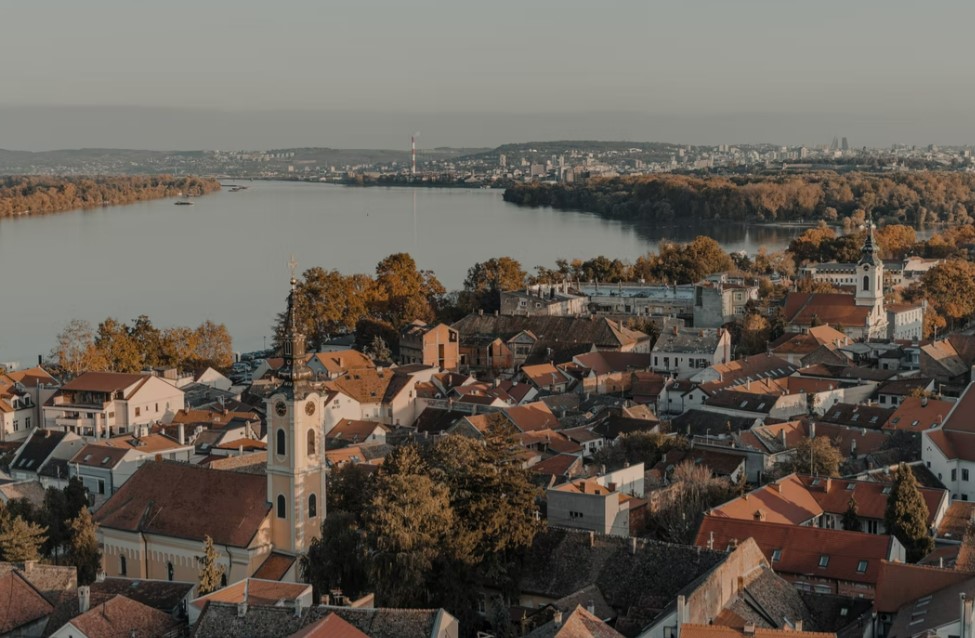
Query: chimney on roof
(924,402)
(100,576)
(592,539)
(711,540)
(785,444)
(812,429)
(557,617)
(242,609)
(682,612)
(591,607)
(298,608)
(633,546)
(749,629)
(759,515)
(84,598)
(181,434)
(798,625)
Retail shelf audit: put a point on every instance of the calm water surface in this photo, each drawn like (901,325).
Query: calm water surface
(225,258)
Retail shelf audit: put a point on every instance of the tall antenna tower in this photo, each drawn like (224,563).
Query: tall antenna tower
(413,155)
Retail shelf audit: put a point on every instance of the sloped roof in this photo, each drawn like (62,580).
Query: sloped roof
(103,381)
(354,430)
(22,603)
(37,449)
(366,385)
(565,330)
(836,309)
(342,360)
(579,624)
(856,415)
(902,583)
(785,501)
(186,501)
(275,566)
(689,341)
(257,591)
(532,416)
(848,556)
(941,609)
(607,361)
(122,616)
(220,620)
(638,585)
(330,626)
(960,419)
(916,414)
(717,631)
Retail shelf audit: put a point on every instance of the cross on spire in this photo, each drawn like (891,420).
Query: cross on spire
(293,267)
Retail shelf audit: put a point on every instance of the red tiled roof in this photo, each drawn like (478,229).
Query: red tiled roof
(532,416)
(185,501)
(275,566)
(915,414)
(803,549)
(103,381)
(259,592)
(121,616)
(22,603)
(719,631)
(330,626)
(353,430)
(902,583)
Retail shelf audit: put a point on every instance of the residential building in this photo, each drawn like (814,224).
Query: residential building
(104,404)
(552,300)
(118,616)
(437,346)
(610,504)
(949,450)
(682,352)
(44,457)
(719,302)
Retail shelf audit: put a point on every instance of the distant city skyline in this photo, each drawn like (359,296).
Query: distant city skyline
(369,73)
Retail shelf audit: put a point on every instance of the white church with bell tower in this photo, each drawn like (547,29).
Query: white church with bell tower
(870,285)
(296,445)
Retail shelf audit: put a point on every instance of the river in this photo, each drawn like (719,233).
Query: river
(225,258)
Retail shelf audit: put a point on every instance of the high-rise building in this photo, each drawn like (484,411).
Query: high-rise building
(845,145)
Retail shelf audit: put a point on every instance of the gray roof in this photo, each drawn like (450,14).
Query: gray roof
(220,620)
(687,340)
(638,586)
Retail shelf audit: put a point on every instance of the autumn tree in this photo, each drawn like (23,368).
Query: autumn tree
(950,288)
(690,262)
(638,447)
(21,540)
(177,346)
(75,350)
(403,292)
(818,457)
(486,281)
(83,551)
(117,346)
(851,518)
(148,341)
(695,491)
(755,334)
(329,303)
(214,346)
(896,240)
(211,571)
(906,516)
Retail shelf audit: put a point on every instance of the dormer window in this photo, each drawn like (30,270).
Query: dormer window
(776,555)
(862,567)
(824,560)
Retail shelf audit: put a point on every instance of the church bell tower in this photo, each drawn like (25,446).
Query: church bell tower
(296,444)
(870,273)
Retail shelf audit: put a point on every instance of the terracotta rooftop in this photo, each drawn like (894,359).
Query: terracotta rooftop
(122,616)
(258,591)
(903,583)
(353,430)
(190,502)
(798,549)
(106,382)
(836,309)
(607,361)
(331,626)
(717,631)
(916,414)
(22,604)
(579,623)
(275,566)
(532,416)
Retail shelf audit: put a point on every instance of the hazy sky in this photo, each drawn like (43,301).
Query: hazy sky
(368,72)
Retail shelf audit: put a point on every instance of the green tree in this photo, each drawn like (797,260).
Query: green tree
(211,571)
(851,520)
(408,526)
(84,553)
(338,558)
(350,490)
(817,457)
(906,516)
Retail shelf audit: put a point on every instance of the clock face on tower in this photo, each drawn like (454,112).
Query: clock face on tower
(310,408)
(866,267)
(281,408)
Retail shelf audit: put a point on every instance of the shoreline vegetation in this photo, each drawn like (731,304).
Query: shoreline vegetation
(30,195)
(915,199)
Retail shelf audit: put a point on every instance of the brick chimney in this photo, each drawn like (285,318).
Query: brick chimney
(84,598)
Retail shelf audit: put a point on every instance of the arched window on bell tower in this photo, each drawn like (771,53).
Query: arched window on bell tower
(282,507)
(279,445)
(866,283)
(312,506)
(311,443)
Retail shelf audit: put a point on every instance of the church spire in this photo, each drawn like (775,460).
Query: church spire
(868,254)
(294,369)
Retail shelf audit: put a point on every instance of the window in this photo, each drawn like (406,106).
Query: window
(862,567)
(954,475)
(121,565)
(223,579)
(866,282)
(824,560)
(169,570)
(312,506)
(776,555)
(964,472)
(138,411)
(281,507)
(279,443)
(27,425)
(101,486)
(16,425)
(157,407)
(311,443)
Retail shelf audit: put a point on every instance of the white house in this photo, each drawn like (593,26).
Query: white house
(685,351)
(949,451)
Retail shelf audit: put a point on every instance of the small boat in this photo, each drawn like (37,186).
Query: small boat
(183,202)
